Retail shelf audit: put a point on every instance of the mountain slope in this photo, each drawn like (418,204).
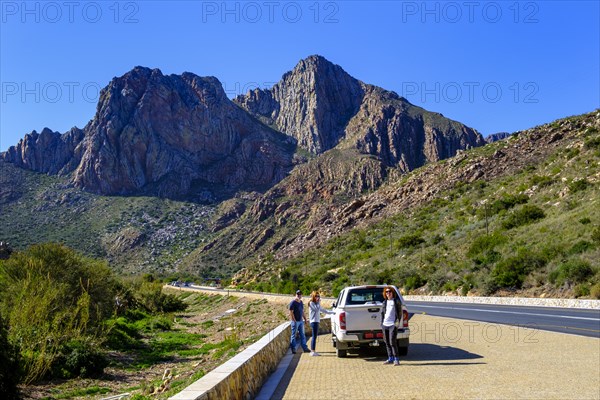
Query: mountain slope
(521,215)
(134,234)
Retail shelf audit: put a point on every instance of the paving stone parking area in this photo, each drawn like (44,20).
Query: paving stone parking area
(454,359)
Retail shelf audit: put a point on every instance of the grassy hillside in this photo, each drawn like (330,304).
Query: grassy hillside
(535,232)
(135,234)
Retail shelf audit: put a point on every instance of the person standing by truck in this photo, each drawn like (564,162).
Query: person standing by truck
(391,316)
(297,319)
(314,315)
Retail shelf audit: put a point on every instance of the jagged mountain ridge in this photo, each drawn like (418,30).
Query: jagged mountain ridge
(323,107)
(48,152)
(160,135)
(168,135)
(312,103)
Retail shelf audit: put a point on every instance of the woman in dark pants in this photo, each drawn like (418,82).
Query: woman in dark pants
(314,310)
(391,316)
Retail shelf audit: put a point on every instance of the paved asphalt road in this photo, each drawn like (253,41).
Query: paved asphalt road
(575,321)
(567,320)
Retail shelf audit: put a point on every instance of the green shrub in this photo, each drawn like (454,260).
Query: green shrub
(207,324)
(485,243)
(488,257)
(150,296)
(595,291)
(450,286)
(572,272)
(592,143)
(578,185)
(581,290)
(523,216)
(541,181)
(585,221)
(437,239)
(136,315)
(414,282)
(570,153)
(511,272)
(79,358)
(122,335)
(360,241)
(154,323)
(596,235)
(581,247)
(468,283)
(507,202)
(330,276)
(411,240)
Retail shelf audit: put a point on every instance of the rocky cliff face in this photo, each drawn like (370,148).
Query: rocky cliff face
(494,137)
(162,135)
(323,107)
(167,133)
(402,135)
(48,152)
(312,103)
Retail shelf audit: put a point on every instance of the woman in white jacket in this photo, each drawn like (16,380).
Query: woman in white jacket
(314,314)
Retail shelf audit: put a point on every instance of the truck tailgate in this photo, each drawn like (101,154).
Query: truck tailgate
(363,317)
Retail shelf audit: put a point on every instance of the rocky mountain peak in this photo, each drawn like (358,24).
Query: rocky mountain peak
(322,107)
(164,134)
(312,103)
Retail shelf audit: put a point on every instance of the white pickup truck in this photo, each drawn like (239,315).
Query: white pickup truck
(357,320)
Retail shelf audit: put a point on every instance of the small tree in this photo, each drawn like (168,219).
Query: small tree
(51,296)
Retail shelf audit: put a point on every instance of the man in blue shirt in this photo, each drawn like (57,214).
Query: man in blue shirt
(297,318)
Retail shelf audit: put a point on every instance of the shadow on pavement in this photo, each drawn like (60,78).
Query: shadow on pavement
(434,352)
(426,352)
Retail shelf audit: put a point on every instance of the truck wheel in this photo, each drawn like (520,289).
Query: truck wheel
(341,353)
(402,351)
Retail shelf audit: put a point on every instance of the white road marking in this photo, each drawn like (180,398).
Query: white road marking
(511,312)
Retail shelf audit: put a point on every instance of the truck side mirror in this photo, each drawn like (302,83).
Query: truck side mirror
(334,305)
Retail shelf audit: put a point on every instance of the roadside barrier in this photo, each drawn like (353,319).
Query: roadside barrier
(243,375)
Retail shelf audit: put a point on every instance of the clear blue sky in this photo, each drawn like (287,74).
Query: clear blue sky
(493,65)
